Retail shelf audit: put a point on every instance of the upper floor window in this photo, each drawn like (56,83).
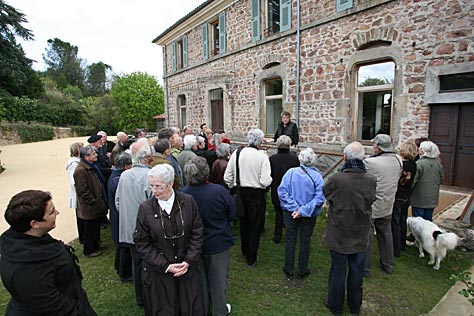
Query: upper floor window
(214,37)
(270,17)
(272,105)
(180,53)
(342,5)
(375,84)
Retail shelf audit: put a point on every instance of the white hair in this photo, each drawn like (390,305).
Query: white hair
(189,141)
(354,151)
(140,151)
(255,137)
(164,172)
(430,149)
(307,157)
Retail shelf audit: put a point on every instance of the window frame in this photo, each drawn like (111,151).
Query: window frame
(181,106)
(266,98)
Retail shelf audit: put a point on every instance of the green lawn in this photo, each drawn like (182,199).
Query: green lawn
(413,289)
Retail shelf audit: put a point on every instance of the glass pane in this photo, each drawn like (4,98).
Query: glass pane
(183,117)
(273,16)
(273,87)
(376,74)
(273,110)
(375,110)
(456,82)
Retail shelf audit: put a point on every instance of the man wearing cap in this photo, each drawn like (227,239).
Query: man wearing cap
(386,166)
(102,160)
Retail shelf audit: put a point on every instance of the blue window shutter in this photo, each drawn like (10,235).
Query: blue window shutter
(342,5)
(174,56)
(205,42)
(185,51)
(222,33)
(285,15)
(255,20)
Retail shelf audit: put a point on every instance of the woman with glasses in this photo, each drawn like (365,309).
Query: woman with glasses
(169,237)
(217,209)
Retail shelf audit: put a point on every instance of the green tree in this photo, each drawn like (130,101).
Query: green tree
(97,79)
(139,97)
(101,113)
(374,82)
(17,78)
(64,66)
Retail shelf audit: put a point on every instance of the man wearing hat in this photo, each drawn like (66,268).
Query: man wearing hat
(102,161)
(386,166)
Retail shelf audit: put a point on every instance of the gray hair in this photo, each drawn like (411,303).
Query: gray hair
(102,133)
(140,151)
(175,130)
(189,141)
(430,149)
(283,142)
(186,128)
(165,133)
(196,170)
(162,145)
(86,151)
(216,137)
(121,160)
(164,172)
(223,150)
(255,137)
(307,157)
(354,150)
(201,140)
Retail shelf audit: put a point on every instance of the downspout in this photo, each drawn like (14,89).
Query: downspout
(165,87)
(298,53)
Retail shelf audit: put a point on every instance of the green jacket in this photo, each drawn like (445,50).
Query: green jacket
(428,178)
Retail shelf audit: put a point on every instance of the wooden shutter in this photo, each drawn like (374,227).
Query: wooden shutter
(342,5)
(222,33)
(174,56)
(255,20)
(285,15)
(185,51)
(205,42)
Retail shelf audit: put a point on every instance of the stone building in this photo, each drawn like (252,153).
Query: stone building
(345,69)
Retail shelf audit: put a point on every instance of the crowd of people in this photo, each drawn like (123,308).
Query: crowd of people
(172,200)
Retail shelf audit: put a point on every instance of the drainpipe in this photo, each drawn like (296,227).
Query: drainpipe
(165,88)
(298,62)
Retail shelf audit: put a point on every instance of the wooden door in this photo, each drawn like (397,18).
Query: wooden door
(452,129)
(217,115)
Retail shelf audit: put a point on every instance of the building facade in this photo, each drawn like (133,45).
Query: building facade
(345,69)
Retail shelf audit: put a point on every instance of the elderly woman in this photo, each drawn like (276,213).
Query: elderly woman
(219,165)
(74,150)
(428,178)
(216,140)
(169,237)
(39,271)
(408,151)
(217,209)
(301,198)
(280,163)
(287,127)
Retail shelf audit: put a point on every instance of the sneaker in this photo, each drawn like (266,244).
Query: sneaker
(93,254)
(229,308)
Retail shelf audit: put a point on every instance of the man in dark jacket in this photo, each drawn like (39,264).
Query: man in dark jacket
(91,199)
(350,195)
(288,128)
(279,164)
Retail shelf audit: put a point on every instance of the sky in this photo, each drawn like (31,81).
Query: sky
(115,32)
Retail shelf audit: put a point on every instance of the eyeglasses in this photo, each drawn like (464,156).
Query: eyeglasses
(155,187)
(176,236)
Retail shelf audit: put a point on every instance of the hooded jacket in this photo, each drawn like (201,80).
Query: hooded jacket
(41,276)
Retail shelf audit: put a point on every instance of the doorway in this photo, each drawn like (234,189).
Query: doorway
(217,110)
(452,129)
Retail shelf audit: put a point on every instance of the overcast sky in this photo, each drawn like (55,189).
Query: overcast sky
(115,32)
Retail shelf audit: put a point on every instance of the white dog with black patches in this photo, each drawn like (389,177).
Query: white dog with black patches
(433,239)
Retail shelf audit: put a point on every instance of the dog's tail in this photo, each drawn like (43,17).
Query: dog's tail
(447,241)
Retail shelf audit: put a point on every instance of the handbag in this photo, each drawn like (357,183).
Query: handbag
(235,191)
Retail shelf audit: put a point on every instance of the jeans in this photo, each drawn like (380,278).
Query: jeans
(214,281)
(305,225)
(425,213)
(337,281)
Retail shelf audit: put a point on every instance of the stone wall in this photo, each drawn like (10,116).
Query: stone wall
(9,134)
(420,34)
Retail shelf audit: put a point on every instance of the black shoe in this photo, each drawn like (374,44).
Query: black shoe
(289,275)
(276,241)
(303,275)
(326,303)
(126,280)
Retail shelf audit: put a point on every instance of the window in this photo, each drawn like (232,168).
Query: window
(181,111)
(180,53)
(273,105)
(214,37)
(456,82)
(375,83)
(342,5)
(271,16)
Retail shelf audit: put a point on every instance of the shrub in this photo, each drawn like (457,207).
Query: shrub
(35,133)
(77,131)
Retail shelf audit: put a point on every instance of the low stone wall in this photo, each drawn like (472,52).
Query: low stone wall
(9,133)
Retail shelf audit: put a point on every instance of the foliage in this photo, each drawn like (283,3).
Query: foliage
(139,97)
(374,82)
(97,79)
(64,66)
(17,78)
(35,133)
(82,130)
(101,113)
(465,277)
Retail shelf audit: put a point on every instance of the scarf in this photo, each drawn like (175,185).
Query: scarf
(354,164)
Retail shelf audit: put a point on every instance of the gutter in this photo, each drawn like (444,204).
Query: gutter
(298,62)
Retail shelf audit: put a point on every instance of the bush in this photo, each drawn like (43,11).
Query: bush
(77,131)
(35,133)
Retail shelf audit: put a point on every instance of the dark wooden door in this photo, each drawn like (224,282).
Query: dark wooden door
(217,115)
(452,129)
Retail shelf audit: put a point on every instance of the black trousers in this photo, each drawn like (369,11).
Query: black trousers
(91,235)
(278,231)
(253,222)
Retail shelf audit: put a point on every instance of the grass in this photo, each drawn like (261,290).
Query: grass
(263,290)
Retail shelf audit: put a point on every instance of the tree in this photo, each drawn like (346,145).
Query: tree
(101,113)
(64,66)
(374,82)
(17,78)
(139,97)
(97,79)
